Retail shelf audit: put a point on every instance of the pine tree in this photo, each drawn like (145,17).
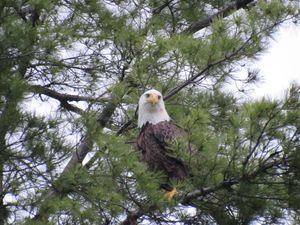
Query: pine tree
(70,79)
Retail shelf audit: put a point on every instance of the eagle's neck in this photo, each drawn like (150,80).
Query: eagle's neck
(152,115)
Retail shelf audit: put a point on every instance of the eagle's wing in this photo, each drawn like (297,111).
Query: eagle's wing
(154,141)
(167,132)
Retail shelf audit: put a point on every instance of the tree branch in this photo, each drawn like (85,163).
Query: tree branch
(71,107)
(226,11)
(158,9)
(38,89)
(65,98)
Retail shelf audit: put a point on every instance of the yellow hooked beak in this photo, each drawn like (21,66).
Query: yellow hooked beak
(153,98)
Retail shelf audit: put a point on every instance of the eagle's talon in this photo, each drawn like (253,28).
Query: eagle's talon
(171,194)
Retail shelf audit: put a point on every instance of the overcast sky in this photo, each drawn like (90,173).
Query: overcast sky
(280,64)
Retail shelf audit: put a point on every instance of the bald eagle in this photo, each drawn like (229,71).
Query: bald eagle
(157,132)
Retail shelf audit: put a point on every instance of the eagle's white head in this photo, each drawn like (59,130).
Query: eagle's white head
(152,108)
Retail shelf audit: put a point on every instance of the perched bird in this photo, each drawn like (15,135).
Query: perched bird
(157,133)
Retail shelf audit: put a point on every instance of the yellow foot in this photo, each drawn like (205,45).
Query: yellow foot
(171,194)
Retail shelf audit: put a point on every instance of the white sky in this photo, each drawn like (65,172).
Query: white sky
(280,64)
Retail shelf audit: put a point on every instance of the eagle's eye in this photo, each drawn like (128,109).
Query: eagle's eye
(147,95)
(159,97)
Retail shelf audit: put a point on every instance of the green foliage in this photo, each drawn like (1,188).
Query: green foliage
(70,79)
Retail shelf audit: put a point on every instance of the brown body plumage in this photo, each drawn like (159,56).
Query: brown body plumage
(154,141)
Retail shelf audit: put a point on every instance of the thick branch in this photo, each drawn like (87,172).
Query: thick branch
(65,98)
(226,11)
(38,89)
(71,107)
